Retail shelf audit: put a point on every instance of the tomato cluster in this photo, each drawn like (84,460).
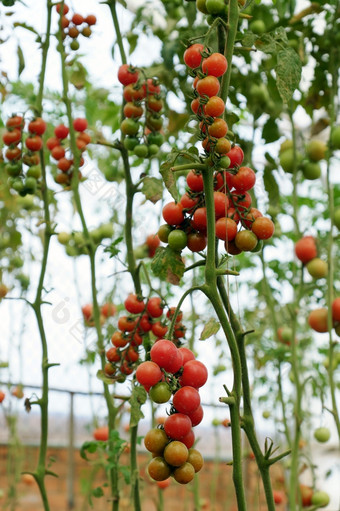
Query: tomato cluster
(22,152)
(72,27)
(62,155)
(143,107)
(239,225)
(144,317)
(174,372)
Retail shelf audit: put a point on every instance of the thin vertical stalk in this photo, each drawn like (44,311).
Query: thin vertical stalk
(41,470)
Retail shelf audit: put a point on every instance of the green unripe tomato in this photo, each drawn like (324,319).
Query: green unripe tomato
(30,185)
(320,499)
(311,170)
(214,6)
(64,237)
(34,171)
(258,27)
(216,422)
(317,268)
(286,144)
(110,174)
(13,169)
(335,138)
(129,127)
(224,162)
(141,150)
(17,262)
(105,231)
(130,143)
(258,247)
(74,45)
(18,185)
(153,149)
(287,160)
(71,251)
(201,6)
(155,138)
(177,239)
(78,238)
(322,435)
(316,150)
(266,414)
(337,217)
(160,393)
(163,232)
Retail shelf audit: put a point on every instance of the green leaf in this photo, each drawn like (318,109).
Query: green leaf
(152,189)
(21,60)
(270,131)
(98,492)
(137,399)
(210,328)
(102,377)
(271,186)
(78,76)
(231,118)
(126,473)
(168,265)
(27,27)
(132,40)
(90,447)
(249,39)
(169,179)
(112,249)
(177,121)
(288,73)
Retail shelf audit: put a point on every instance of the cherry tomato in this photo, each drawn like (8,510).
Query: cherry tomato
(186,400)
(77,19)
(148,373)
(196,242)
(184,474)
(263,227)
(101,433)
(189,439)
(113,355)
(318,320)
(127,74)
(90,19)
(156,440)
(160,393)
(221,203)
(186,354)
(133,110)
(236,156)
(215,65)
(154,307)
(177,239)
(177,425)
(306,249)
(119,340)
(208,86)
(196,416)
(164,353)
(159,330)
(133,93)
(13,154)
(173,213)
(200,219)
(58,152)
(336,309)
(194,374)
(192,55)
(38,126)
(226,228)
(16,121)
(195,181)
(61,131)
(176,453)
(12,137)
(134,304)
(80,124)
(64,164)
(246,240)
(144,323)
(244,179)
(158,469)
(34,143)
(195,459)
(214,107)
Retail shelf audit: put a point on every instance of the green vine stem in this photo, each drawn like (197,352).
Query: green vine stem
(248,420)
(41,470)
(112,412)
(210,290)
